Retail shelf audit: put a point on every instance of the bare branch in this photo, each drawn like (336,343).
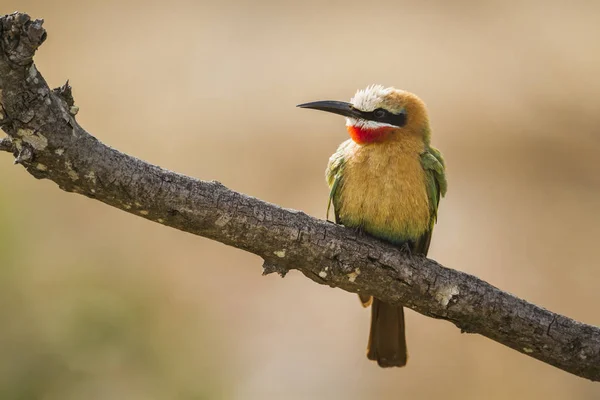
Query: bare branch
(6,145)
(51,145)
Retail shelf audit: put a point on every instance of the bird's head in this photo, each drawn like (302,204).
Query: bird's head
(379,114)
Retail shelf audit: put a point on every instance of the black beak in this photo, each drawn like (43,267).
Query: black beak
(336,107)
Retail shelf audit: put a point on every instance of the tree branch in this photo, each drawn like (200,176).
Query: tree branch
(6,145)
(50,144)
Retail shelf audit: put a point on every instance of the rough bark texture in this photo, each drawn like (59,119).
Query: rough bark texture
(47,140)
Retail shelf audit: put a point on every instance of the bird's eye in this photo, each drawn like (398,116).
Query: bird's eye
(379,113)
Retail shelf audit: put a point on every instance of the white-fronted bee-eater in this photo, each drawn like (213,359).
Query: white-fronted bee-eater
(386,181)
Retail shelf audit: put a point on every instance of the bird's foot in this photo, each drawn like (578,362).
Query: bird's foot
(359,231)
(405,248)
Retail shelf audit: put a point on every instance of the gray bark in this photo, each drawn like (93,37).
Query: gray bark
(47,141)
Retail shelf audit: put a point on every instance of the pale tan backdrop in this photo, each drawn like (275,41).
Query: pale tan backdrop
(98,304)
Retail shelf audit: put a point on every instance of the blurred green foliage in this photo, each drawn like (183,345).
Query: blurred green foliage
(88,335)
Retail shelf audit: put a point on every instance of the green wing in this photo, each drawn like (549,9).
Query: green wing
(434,167)
(333,174)
(435,170)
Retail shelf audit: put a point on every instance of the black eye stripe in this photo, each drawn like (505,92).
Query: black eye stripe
(382,115)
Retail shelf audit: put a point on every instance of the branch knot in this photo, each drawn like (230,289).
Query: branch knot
(21,37)
(7,145)
(65,92)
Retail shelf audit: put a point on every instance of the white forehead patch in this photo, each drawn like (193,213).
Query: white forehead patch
(370,98)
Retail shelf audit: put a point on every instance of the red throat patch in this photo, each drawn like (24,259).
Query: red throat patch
(368,135)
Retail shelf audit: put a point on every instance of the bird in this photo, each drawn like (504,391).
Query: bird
(386,181)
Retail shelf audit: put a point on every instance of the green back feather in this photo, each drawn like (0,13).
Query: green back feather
(433,164)
(435,170)
(333,174)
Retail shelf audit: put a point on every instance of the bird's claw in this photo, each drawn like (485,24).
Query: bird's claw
(405,248)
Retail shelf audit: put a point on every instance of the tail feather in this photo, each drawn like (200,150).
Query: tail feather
(387,339)
(365,300)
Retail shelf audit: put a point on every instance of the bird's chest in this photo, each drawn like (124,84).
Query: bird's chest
(385,194)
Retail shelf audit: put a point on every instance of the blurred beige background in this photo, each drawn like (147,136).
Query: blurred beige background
(98,304)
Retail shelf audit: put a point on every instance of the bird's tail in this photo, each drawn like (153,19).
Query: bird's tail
(387,339)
